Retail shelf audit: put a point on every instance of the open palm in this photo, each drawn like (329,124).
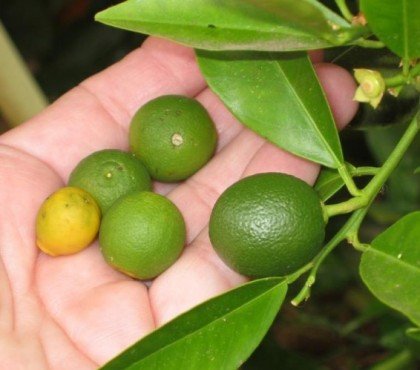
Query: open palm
(76,312)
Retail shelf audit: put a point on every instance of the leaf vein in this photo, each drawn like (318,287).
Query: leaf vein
(172,343)
(390,257)
(311,119)
(405,23)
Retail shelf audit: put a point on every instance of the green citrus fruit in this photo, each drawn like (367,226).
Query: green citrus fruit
(142,234)
(67,222)
(109,174)
(174,136)
(268,224)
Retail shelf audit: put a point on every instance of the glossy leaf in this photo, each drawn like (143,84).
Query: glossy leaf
(396,23)
(413,333)
(308,15)
(218,334)
(232,24)
(391,266)
(278,96)
(329,182)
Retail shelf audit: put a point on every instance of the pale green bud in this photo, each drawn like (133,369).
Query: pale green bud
(371,86)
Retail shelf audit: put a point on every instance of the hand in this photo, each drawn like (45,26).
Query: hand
(76,312)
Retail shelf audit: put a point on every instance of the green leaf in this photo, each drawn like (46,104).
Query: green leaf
(396,23)
(417,170)
(232,24)
(400,360)
(390,268)
(413,333)
(329,182)
(218,334)
(278,96)
(308,15)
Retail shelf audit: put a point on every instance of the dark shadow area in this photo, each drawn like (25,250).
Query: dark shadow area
(61,42)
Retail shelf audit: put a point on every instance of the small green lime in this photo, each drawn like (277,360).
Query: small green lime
(269,224)
(109,174)
(174,136)
(142,234)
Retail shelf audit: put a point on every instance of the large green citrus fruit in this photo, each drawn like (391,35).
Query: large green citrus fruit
(67,222)
(268,224)
(109,174)
(174,137)
(142,234)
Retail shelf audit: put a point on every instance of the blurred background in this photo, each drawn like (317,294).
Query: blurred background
(60,43)
(342,326)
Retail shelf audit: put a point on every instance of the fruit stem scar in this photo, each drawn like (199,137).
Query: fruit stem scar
(177,139)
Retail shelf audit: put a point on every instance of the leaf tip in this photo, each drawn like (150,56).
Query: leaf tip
(107,15)
(100,16)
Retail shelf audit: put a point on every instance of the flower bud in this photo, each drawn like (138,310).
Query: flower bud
(371,86)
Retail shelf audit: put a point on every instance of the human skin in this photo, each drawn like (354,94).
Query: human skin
(76,312)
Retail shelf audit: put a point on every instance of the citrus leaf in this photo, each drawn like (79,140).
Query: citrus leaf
(390,268)
(330,182)
(278,96)
(413,333)
(218,334)
(310,16)
(396,23)
(230,24)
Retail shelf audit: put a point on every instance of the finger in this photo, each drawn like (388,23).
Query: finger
(65,355)
(199,271)
(96,114)
(339,87)
(28,183)
(316,56)
(273,159)
(22,352)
